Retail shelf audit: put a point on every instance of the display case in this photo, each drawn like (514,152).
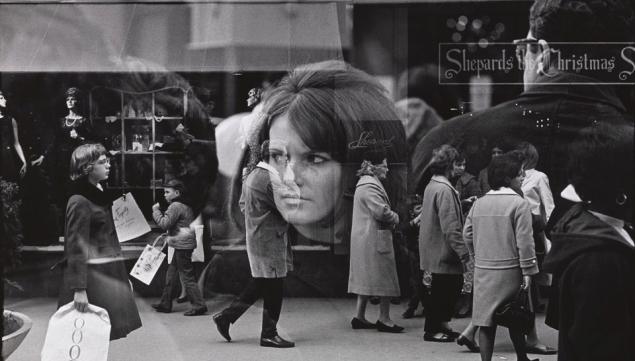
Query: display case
(143,133)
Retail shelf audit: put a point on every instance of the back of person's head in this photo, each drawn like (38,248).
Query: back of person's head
(83,159)
(443,159)
(599,21)
(176,185)
(503,169)
(422,82)
(529,153)
(600,165)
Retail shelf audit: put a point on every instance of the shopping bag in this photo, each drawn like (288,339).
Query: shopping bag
(73,335)
(129,221)
(150,260)
(198,255)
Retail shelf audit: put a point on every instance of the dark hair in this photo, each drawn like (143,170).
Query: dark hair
(503,169)
(600,166)
(530,154)
(569,21)
(330,105)
(443,159)
(73,92)
(176,184)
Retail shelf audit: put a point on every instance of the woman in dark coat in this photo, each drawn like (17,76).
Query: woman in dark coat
(94,272)
(592,258)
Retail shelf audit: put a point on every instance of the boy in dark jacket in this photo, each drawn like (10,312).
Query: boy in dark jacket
(176,221)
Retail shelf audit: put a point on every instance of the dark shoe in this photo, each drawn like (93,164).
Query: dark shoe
(196,311)
(358,324)
(181,299)
(222,325)
(276,341)
(409,313)
(374,300)
(381,327)
(160,308)
(541,350)
(437,337)
(453,334)
(464,341)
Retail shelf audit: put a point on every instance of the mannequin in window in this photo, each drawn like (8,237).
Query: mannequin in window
(12,161)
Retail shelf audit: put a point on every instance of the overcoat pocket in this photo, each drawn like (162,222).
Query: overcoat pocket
(384,241)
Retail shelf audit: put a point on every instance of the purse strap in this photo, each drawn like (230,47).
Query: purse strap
(523,298)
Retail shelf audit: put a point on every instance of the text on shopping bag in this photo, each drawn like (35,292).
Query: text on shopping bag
(129,221)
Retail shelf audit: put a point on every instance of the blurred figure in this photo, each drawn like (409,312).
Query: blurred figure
(593,255)
(498,234)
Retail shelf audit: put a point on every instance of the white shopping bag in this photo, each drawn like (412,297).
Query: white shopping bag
(129,221)
(150,260)
(73,335)
(199,253)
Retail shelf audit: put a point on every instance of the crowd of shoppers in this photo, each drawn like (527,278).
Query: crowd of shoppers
(329,159)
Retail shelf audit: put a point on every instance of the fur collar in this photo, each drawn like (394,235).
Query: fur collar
(85,189)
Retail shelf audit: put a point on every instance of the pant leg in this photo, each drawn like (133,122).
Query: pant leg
(271,290)
(249,295)
(445,290)
(183,259)
(171,279)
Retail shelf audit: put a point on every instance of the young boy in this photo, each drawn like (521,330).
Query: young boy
(176,221)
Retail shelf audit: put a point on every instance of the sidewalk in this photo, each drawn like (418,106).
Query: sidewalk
(319,326)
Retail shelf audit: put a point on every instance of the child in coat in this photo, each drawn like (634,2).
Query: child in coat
(176,221)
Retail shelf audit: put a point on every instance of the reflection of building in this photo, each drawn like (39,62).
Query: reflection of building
(221,46)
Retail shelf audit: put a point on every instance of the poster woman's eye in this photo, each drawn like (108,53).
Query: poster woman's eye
(316,158)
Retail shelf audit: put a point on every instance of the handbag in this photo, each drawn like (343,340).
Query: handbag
(516,313)
(73,335)
(150,260)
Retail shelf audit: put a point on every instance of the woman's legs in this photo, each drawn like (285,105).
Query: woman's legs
(362,301)
(384,311)
(470,332)
(518,339)
(486,338)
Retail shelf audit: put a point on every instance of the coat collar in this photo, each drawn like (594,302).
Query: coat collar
(442,179)
(501,191)
(564,83)
(85,189)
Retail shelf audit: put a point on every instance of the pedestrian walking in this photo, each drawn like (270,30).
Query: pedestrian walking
(94,270)
(498,234)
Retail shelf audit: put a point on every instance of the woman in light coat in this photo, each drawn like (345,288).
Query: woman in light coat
(498,234)
(372,261)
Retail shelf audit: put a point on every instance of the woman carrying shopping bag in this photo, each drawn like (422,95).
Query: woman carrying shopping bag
(94,271)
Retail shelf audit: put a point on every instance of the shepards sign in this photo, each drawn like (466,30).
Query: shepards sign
(505,63)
